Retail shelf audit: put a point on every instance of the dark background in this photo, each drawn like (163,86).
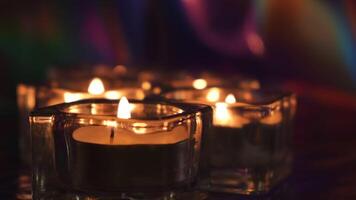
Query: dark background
(307,46)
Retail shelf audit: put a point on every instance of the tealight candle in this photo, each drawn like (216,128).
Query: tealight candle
(248,148)
(96,89)
(132,148)
(120,154)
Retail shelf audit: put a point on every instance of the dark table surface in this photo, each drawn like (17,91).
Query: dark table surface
(324,149)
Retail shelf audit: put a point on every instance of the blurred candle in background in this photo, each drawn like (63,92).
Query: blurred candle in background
(248,150)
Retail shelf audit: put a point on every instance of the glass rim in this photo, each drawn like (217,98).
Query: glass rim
(188,110)
(279,96)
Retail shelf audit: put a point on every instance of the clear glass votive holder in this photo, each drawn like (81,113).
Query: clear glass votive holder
(83,150)
(249,149)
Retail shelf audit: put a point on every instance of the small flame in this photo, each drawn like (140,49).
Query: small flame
(96,87)
(200,84)
(213,95)
(230,99)
(146,85)
(124,109)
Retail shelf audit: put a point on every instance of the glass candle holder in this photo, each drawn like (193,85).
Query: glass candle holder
(249,148)
(85,150)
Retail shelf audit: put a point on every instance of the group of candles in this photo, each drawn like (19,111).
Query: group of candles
(223,135)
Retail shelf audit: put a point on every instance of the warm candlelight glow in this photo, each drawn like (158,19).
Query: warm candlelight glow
(120,70)
(96,87)
(110,123)
(222,113)
(199,84)
(140,127)
(274,118)
(113,95)
(230,99)
(70,97)
(224,117)
(124,109)
(146,85)
(156,90)
(213,95)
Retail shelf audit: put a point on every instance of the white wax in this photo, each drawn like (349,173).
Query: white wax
(101,135)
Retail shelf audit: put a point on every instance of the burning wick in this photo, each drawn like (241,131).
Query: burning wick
(123,112)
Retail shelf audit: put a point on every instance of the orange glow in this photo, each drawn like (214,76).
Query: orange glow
(70,97)
(213,95)
(96,87)
(124,109)
(230,99)
(113,95)
(200,84)
(222,114)
(157,90)
(146,85)
(274,118)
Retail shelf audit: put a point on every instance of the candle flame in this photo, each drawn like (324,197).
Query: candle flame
(200,84)
(120,70)
(124,109)
(221,112)
(230,99)
(213,95)
(96,87)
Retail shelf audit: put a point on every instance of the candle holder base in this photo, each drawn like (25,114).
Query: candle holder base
(244,181)
(172,195)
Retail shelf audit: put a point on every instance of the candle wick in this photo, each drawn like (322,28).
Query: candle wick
(112,135)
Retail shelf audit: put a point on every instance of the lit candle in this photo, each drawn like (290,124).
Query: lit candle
(112,135)
(114,156)
(105,149)
(248,146)
(96,89)
(223,115)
